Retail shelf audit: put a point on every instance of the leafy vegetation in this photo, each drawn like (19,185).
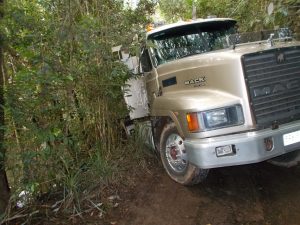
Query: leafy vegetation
(63,92)
(251,15)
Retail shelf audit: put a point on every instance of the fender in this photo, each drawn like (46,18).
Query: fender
(176,104)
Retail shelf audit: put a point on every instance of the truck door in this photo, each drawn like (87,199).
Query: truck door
(150,74)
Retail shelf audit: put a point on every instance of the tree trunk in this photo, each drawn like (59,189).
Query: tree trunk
(4,188)
(4,193)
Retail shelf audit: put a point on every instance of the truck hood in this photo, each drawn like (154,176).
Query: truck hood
(208,81)
(220,70)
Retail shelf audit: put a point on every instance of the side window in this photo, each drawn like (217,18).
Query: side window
(145,61)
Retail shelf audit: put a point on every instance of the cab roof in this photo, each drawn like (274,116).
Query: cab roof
(185,23)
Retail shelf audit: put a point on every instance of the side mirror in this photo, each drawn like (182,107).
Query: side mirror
(145,61)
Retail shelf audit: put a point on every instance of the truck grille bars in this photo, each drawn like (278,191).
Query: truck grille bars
(273,81)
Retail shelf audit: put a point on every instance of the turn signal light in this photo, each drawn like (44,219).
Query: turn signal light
(192,120)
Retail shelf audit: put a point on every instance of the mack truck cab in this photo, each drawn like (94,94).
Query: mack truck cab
(217,98)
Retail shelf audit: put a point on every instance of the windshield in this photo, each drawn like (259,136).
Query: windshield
(180,42)
(281,34)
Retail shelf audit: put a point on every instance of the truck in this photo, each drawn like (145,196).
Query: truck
(213,97)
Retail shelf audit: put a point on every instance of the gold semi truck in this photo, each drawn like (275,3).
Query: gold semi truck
(217,98)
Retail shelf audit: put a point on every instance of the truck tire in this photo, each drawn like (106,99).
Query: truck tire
(174,158)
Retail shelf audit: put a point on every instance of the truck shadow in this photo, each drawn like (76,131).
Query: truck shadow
(253,194)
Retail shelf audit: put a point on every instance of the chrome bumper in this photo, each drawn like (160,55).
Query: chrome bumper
(250,147)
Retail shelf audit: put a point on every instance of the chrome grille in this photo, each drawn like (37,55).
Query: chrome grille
(273,81)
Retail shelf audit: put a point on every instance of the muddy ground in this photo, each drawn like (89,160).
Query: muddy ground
(260,194)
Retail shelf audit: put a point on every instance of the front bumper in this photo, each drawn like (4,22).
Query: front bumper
(250,147)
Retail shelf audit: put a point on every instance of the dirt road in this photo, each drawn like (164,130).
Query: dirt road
(260,194)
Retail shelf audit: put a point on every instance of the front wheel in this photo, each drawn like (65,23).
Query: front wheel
(174,158)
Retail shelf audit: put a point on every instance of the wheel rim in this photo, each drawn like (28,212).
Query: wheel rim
(175,153)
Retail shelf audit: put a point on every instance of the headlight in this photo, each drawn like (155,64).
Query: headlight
(215,119)
(223,117)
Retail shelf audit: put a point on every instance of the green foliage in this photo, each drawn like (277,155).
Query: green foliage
(63,90)
(174,10)
(251,15)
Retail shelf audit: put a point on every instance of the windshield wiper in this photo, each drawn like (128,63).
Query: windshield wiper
(189,54)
